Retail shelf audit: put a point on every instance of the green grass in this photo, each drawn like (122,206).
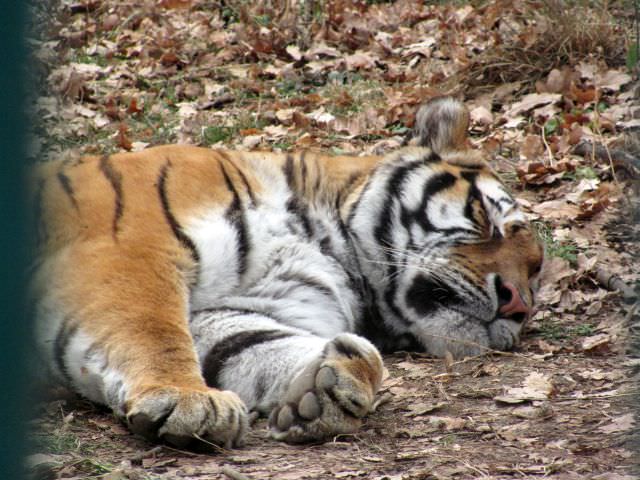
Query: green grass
(225,133)
(214,134)
(582,173)
(348,94)
(59,442)
(565,250)
(91,59)
(550,330)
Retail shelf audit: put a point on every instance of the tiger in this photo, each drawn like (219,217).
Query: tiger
(189,289)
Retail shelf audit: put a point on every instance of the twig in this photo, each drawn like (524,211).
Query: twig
(234,474)
(215,447)
(595,396)
(546,146)
(611,281)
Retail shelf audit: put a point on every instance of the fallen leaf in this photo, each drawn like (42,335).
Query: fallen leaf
(276,131)
(294,52)
(321,116)
(448,423)
(557,209)
(537,386)
(423,408)
(285,116)
(481,116)
(252,141)
(612,80)
(620,424)
(531,101)
(597,344)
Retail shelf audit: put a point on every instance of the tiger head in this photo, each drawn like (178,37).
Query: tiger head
(450,257)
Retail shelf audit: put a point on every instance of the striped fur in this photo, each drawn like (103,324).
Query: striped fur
(183,287)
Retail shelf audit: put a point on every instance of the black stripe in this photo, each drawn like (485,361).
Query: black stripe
(433,157)
(235,215)
(294,206)
(60,345)
(427,294)
(303,171)
(301,211)
(242,176)
(171,220)
(345,190)
(474,195)
(115,179)
(434,185)
(334,398)
(477,167)
(382,232)
(495,203)
(241,311)
(392,191)
(40,224)
(354,207)
(247,187)
(346,350)
(306,281)
(65,183)
(231,346)
(287,169)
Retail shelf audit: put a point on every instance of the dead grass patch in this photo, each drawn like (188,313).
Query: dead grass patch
(556,33)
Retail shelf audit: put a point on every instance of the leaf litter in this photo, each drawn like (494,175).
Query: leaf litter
(554,107)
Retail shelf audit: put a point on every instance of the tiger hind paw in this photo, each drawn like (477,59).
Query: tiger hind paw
(331,395)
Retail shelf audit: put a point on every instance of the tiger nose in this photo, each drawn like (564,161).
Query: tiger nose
(510,301)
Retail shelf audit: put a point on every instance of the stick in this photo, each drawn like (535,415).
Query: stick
(611,281)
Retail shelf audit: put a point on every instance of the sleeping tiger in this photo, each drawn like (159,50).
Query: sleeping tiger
(184,287)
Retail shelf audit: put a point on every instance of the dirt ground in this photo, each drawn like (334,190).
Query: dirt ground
(346,77)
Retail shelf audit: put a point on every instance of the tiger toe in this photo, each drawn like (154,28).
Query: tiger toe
(331,395)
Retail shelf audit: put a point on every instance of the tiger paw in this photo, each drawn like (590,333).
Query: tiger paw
(331,395)
(188,418)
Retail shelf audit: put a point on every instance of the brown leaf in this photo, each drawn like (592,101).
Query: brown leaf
(597,344)
(557,209)
(422,408)
(531,101)
(619,424)
(532,147)
(175,4)
(123,140)
(133,107)
(582,94)
(537,386)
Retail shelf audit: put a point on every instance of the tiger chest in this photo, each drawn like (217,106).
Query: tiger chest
(284,260)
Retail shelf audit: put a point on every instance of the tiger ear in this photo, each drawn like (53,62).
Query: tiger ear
(441,125)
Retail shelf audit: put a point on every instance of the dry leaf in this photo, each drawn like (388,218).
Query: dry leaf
(597,344)
(619,424)
(423,408)
(531,101)
(537,386)
(557,209)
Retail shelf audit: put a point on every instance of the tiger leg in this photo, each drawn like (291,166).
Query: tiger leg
(311,387)
(115,329)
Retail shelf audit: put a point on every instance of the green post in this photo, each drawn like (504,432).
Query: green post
(13,240)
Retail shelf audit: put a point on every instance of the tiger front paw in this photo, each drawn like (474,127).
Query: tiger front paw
(188,418)
(331,395)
